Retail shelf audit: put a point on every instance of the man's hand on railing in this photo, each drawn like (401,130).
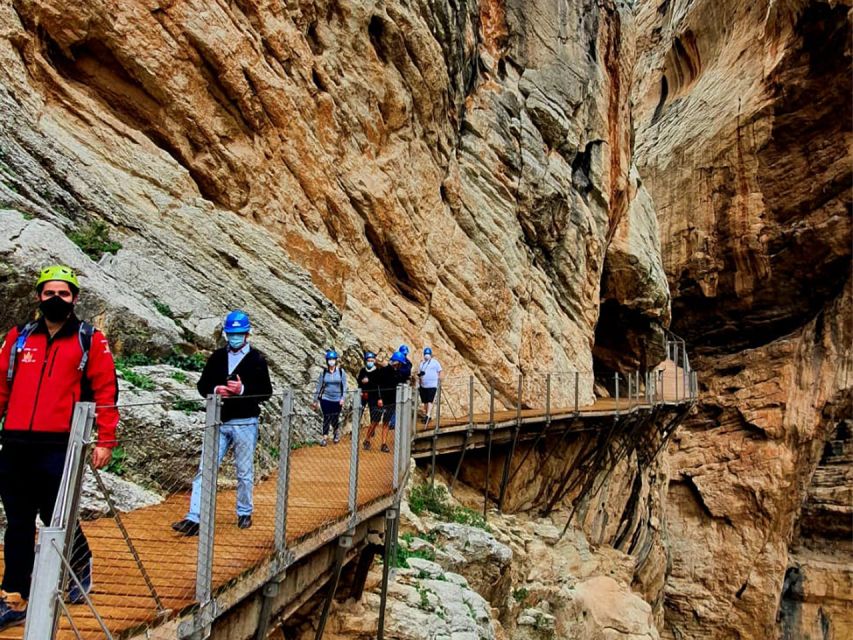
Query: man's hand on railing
(101,457)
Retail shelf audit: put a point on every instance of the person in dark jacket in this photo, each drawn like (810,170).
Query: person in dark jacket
(239,373)
(368,382)
(387,379)
(46,366)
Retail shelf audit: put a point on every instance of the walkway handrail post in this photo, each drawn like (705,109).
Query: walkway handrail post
(630,392)
(518,401)
(547,398)
(489,436)
(283,480)
(616,384)
(435,432)
(49,569)
(352,500)
(675,373)
(577,391)
(395,482)
(470,403)
(207,514)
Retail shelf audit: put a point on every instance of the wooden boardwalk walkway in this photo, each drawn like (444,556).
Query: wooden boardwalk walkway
(319,481)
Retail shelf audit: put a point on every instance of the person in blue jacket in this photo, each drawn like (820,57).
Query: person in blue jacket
(329,396)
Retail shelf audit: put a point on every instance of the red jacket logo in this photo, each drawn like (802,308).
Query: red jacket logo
(28,357)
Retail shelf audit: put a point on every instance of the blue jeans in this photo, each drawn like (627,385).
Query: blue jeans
(242,434)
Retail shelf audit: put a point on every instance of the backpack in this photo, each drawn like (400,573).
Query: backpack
(84,337)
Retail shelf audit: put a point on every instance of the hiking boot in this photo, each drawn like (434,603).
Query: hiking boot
(76,595)
(186,527)
(367,444)
(323,442)
(244,522)
(13,610)
(385,449)
(337,437)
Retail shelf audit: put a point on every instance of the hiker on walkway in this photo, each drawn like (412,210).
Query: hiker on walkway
(386,380)
(429,376)
(404,373)
(239,373)
(46,366)
(368,382)
(329,396)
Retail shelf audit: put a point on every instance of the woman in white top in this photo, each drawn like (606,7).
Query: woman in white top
(429,375)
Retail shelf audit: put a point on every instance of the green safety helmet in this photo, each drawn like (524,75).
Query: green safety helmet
(58,272)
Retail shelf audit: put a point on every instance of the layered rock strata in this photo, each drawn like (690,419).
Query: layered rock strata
(743,119)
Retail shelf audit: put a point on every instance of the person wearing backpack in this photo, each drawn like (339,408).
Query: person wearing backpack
(239,373)
(329,396)
(46,366)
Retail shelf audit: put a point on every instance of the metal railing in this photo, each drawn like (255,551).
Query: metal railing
(351,481)
(354,481)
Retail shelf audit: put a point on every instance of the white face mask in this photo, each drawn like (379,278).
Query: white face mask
(331,363)
(428,357)
(370,365)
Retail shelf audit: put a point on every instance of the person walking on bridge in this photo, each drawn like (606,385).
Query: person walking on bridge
(330,395)
(239,373)
(368,382)
(429,376)
(46,366)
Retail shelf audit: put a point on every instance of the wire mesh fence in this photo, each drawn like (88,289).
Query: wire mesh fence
(191,502)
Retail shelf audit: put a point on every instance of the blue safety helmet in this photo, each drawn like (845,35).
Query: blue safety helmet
(237,322)
(404,349)
(331,354)
(398,357)
(427,351)
(369,355)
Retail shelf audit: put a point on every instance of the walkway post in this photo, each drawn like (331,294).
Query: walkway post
(54,542)
(675,358)
(283,480)
(577,391)
(547,399)
(398,404)
(353,459)
(616,381)
(468,432)
(508,461)
(207,515)
(435,432)
(489,435)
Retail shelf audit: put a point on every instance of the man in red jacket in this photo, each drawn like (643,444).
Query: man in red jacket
(46,366)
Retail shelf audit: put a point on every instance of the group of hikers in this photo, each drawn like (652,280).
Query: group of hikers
(51,363)
(378,387)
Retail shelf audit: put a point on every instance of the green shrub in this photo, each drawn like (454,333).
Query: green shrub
(164,310)
(94,239)
(434,499)
(520,594)
(187,405)
(180,376)
(117,461)
(193,362)
(138,380)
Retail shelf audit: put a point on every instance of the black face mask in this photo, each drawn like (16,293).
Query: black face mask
(55,309)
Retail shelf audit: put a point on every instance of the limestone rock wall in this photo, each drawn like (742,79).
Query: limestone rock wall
(743,119)
(376,172)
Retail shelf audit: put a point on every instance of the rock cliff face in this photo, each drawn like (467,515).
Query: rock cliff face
(743,119)
(457,174)
(520,184)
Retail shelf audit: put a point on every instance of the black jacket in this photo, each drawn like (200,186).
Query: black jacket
(254,374)
(370,387)
(388,379)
